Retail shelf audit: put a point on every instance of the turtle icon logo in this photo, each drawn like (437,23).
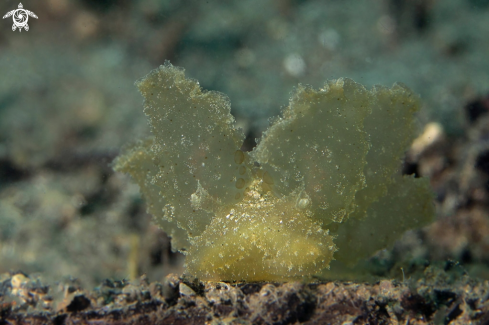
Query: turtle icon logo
(20,16)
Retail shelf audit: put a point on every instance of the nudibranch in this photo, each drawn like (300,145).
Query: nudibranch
(322,184)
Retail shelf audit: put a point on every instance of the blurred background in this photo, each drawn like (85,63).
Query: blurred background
(68,103)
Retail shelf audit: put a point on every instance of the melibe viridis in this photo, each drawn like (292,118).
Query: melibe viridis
(323,184)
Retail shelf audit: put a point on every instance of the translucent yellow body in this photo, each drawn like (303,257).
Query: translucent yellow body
(322,184)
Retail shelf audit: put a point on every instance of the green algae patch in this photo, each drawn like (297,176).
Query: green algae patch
(322,185)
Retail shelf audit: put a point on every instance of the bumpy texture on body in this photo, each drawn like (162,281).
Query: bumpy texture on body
(326,183)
